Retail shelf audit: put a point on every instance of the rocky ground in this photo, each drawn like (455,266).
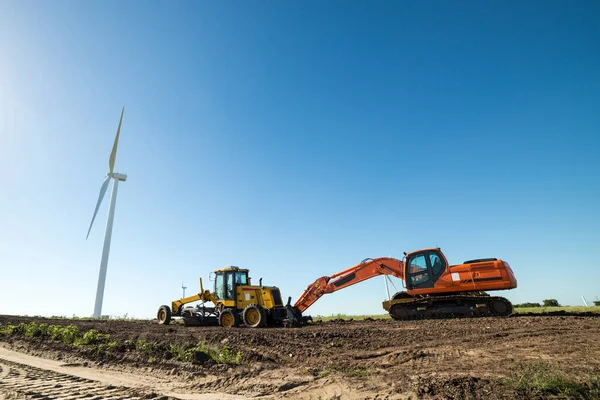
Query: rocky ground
(491,358)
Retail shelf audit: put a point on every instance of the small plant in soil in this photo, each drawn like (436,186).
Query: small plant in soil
(223,355)
(92,337)
(540,379)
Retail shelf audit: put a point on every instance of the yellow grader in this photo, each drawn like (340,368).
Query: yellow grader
(236,301)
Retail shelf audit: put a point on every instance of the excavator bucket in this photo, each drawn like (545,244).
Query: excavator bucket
(294,316)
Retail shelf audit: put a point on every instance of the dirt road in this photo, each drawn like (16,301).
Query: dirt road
(461,358)
(25,376)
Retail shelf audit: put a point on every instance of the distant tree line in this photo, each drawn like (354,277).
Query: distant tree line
(527,305)
(546,303)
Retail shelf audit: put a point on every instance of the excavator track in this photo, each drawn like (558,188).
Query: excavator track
(457,306)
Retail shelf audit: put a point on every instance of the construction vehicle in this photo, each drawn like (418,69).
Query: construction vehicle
(235,301)
(434,288)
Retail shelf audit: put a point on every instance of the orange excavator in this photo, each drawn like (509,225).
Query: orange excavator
(434,288)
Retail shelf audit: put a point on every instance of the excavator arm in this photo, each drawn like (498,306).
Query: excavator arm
(367,269)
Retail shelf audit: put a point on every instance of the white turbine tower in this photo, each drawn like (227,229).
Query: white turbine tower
(109,222)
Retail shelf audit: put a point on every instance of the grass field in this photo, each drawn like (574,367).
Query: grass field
(571,309)
(525,310)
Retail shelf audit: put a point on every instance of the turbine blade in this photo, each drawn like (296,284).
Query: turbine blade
(113,153)
(100,197)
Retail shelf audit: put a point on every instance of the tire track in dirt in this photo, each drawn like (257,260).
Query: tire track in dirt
(32,382)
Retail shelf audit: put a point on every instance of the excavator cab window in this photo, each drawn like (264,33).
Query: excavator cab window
(418,275)
(436,264)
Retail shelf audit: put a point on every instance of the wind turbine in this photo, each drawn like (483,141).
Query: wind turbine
(109,222)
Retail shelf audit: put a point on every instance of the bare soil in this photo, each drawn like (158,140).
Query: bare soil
(476,358)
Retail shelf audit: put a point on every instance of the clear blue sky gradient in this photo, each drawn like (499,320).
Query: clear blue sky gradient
(295,139)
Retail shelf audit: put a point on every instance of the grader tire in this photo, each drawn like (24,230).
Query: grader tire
(255,316)
(164,315)
(229,318)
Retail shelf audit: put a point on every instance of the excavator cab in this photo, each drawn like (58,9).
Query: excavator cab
(424,267)
(427,272)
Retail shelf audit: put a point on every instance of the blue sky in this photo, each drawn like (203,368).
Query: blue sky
(295,139)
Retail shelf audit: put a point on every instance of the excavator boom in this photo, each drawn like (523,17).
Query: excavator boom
(367,269)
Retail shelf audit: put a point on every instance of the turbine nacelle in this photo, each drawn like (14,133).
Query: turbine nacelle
(116,175)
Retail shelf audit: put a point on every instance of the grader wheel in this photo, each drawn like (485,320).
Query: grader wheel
(255,316)
(164,315)
(229,318)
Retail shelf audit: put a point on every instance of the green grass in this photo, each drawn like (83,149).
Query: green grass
(357,372)
(524,310)
(67,334)
(541,379)
(571,309)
